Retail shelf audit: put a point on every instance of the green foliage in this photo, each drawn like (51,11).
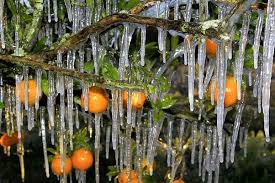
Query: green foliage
(1,105)
(127,5)
(80,139)
(88,67)
(108,71)
(113,171)
(40,44)
(45,86)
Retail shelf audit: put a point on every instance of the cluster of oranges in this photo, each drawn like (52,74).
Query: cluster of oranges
(81,159)
(98,99)
(230,97)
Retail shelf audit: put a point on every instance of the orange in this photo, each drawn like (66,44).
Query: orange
(123,177)
(31,92)
(145,166)
(56,165)
(211,48)
(7,141)
(82,159)
(178,181)
(138,99)
(230,97)
(97,100)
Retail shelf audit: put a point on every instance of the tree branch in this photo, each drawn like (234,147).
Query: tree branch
(89,78)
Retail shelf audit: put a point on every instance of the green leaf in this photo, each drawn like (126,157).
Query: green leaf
(122,4)
(51,150)
(163,84)
(109,71)
(158,115)
(1,105)
(40,44)
(45,86)
(168,101)
(88,67)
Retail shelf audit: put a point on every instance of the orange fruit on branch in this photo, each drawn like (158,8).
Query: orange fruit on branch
(56,165)
(31,92)
(123,177)
(211,48)
(82,159)
(138,99)
(230,97)
(97,100)
(7,140)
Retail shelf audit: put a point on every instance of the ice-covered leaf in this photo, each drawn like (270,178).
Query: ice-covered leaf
(88,67)
(168,101)
(109,71)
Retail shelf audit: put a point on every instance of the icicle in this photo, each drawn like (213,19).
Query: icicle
(115,123)
(49,10)
(260,85)
(221,70)
(209,179)
(121,153)
(209,73)
(250,77)
(81,53)
(142,43)
(70,105)
(182,126)
(129,107)
(51,98)
(228,146)
(55,10)
(2,34)
(1,97)
(240,57)
(188,11)
(69,10)
(44,142)
(97,145)
(154,133)
(120,107)
(194,139)
(191,74)
(38,74)
(18,106)
(202,127)
(26,86)
(95,54)
(214,150)
(268,55)
(217,171)
(107,141)
(236,128)
(257,38)
(76,118)
(144,140)
(128,153)
(208,149)
(201,62)
(176,10)
(169,142)
(213,88)
(85,93)
(203,169)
